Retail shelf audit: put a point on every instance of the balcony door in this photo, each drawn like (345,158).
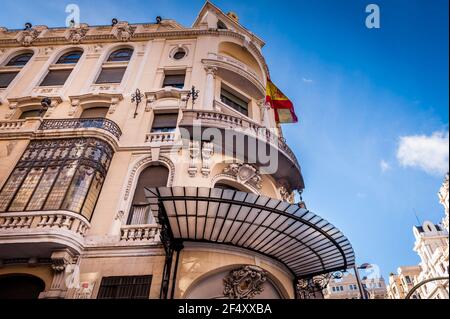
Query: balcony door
(152,176)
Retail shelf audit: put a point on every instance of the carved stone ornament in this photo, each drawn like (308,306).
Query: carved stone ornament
(245,282)
(76,34)
(207,153)
(123,31)
(26,37)
(286,195)
(194,153)
(244,173)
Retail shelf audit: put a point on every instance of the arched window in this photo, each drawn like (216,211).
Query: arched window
(13,67)
(152,176)
(60,71)
(95,112)
(115,66)
(20,286)
(70,57)
(121,55)
(20,60)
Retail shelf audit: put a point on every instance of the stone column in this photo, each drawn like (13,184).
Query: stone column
(209,87)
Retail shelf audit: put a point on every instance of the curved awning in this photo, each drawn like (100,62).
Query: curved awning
(307,244)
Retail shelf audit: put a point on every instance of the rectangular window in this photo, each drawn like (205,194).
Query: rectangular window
(26,190)
(111,75)
(56,77)
(408,280)
(164,122)
(11,187)
(234,101)
(129,287)
(6,78)
(174,80)
(43,188)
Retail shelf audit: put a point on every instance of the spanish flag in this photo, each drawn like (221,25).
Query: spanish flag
(280,103)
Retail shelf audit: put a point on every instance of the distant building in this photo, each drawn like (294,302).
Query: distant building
(347,288)
(402,282)
(432,246)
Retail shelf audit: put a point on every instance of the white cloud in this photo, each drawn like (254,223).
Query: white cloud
(385,166)
(307,80)
(429,153)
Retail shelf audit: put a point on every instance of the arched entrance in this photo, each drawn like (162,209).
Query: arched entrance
(239,282)
(17,286)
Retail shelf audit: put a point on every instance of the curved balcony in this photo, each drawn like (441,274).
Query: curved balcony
(37,234)
(288,168)
(98,123)
(230,67)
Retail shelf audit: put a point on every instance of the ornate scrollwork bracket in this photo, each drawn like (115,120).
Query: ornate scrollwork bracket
(312,287)
(245,282)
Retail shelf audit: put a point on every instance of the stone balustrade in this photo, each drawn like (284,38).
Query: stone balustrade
(140,232)
(161,137)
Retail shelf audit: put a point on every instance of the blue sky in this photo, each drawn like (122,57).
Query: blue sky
(357,92)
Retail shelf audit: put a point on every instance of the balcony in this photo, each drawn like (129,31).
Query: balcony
(37,234)
(140,233)
(160,137)
(288,167)
(17,128)
(73,124)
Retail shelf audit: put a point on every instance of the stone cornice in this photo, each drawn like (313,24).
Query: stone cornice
(138,35)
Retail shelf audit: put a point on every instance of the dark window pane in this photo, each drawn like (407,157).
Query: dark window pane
(233,101)
(179,54)
(127,287)
(165,122)
(121,55)
(56,77)
(31,113)
(94,112)
(6,78)
(20,60)
(174,80)
(70,57)
(111,75)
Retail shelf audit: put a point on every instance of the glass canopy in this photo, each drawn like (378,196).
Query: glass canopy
(307,244)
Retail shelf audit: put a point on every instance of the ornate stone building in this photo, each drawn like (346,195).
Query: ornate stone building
(347,287)
(432,246)
(118,179)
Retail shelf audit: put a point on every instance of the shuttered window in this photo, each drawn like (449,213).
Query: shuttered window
(6,78)
(56,77)
(94,112)
(111,75)
(233,101)
(174,80)
(125,287)
(166,122)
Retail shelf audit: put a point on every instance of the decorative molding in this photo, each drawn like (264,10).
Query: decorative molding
(244,173)
(207,153)
(123,31)
(79,100)
(26,37)
(245,282)
(312,287)
(163,93)
(143,163)
(194,154)
(286,195)
(32,101)
(76,34)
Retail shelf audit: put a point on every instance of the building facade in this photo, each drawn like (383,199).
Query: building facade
(432,246)
(141,161)
(347,288)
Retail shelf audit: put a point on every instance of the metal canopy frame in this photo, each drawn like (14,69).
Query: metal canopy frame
(304,242)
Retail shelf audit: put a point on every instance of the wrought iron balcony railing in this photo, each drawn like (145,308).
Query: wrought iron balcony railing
(100,123)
